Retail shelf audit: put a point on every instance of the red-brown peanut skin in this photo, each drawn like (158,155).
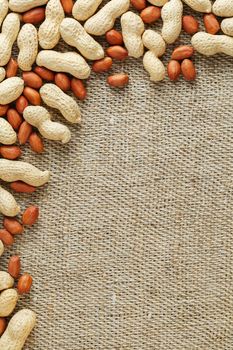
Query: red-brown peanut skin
(103,65)
(188,70)
(36,143)
(6,237)
(67,6)
(211,23)
(11,68)
(138,4)
(190,24)
(3,325)
(118,80)
(150,14)
(24,283)
(44,73)
(24,132)
(34,16)
(117,52)
(32,80)
(14,118)
(114,37)
(22,187)
(14,266)
(3,110)
(78,88)
(30,215)
(182,52)
(32,96)
(13,226)
(21,103)
(10,152)
(62,81)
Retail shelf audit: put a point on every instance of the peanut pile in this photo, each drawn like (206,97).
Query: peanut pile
(42,75)
(9,295)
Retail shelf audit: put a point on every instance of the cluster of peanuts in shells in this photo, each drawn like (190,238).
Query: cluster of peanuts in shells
(41,77)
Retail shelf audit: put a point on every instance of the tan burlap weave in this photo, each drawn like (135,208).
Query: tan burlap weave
(134,247)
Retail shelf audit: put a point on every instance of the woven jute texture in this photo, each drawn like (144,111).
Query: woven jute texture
(134,246)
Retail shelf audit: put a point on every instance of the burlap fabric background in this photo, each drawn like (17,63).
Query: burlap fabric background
(134,247)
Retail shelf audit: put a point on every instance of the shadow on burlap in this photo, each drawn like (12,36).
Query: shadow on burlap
(134,247)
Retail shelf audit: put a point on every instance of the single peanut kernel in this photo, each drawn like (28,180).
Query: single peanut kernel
(190,24)
(6,237)
(78,88)
(182,52)
(10,152)
(24,283)
(103,65)
(117,52)
(188,70)
(67,6)
(13,226)
(14,118)
(14,266)
(22,187)
(44,73)
(211,23)
(21,104)
(3,325)
(24,132)
(138,4)
(11,68)
(32,80)
(30,215)
(150,14)
(36,143)
(173,70)
(118,80)
(114,37)
(62,81)
(3,110)
(34,16)
(32,96)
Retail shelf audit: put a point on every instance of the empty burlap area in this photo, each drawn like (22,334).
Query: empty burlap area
(134,246)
